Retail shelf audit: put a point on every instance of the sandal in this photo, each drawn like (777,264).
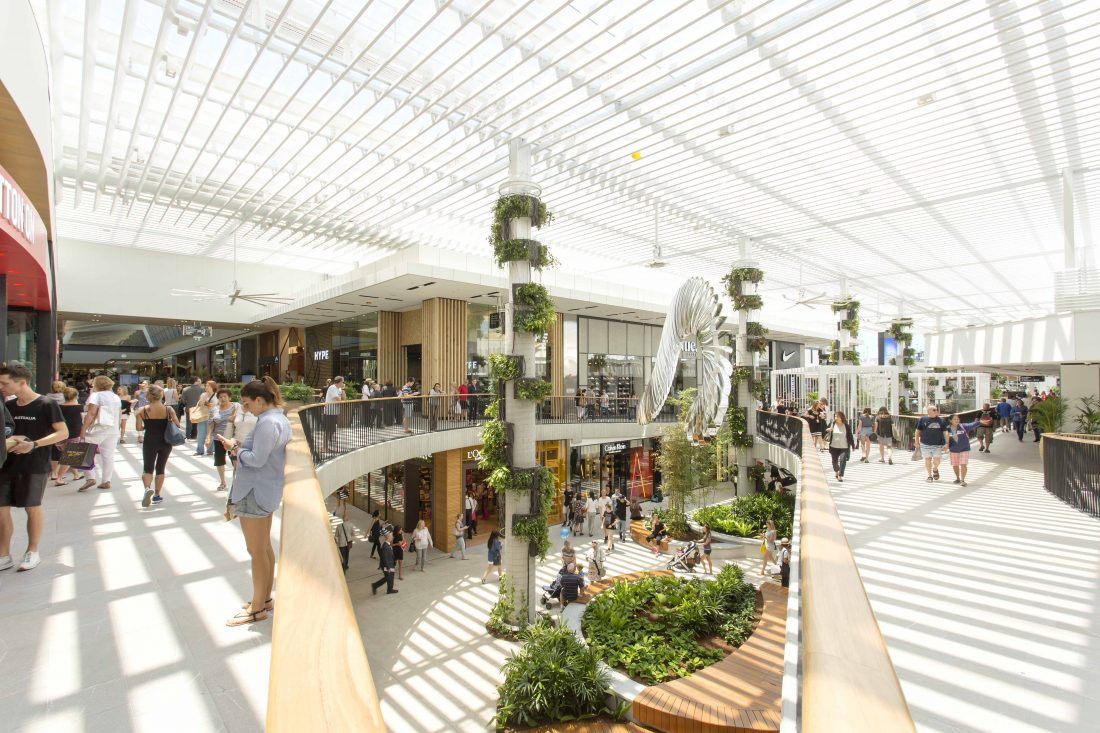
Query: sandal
(245,617)
(269,606)
(106,485)
(87,485)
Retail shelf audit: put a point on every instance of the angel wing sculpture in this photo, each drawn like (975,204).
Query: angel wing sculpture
(694,317)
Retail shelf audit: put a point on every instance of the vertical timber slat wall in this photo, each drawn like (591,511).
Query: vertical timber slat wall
(389,348)
(557,363)
(447,499)
(443,343)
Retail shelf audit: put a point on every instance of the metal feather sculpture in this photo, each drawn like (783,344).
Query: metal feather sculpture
(694,317)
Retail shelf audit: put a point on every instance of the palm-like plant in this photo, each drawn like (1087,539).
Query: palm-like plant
(1049,414)
(1087,419)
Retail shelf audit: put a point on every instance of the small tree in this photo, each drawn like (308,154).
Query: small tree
(687,467)
(1087,419)
(1049,414)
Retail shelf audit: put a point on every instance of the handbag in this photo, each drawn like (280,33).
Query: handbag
(200,412)
(79,454)
(173,435)
(231,427)
(763,546)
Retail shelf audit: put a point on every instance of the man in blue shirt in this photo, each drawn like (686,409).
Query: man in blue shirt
(932,441)
(1004,411)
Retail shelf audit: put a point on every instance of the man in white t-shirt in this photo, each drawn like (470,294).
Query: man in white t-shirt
(471,515)
(334,394)
(603,502)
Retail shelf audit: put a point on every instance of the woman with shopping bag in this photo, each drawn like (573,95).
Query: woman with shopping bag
(101,418)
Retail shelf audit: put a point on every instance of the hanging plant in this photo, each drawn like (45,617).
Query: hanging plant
(514,250)
(735,431)
(851,355)
(839,306)
(494,446)
(534,310)
(892,361)
(756,344)
(932,382)
(747,302)
(899,329)
(740,374)
(505,368)
(758,390)
(757,472)
(533,389)
(907,383)
(738,275)
(515,207)
(754,328)
(851,325)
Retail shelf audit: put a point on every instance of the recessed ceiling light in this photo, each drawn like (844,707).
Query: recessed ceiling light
(926,99)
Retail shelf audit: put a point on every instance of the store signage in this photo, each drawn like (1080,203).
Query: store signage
(614,448)
(1032,378)
(689,347)
(474,454)
(494,320)
(320,354)
(17,211)
(786,355)
(198,332)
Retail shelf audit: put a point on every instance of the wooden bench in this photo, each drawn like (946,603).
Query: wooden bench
(639,533)
(589,726)
(594,589)
(741,693)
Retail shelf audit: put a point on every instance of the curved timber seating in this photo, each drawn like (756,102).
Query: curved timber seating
(739,693)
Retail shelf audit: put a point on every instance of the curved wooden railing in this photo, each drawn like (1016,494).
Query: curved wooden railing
(320,679)
(1071,469)
(848,681)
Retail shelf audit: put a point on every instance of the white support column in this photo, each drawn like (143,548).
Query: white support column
(842,334)
(518,564)
(746,358)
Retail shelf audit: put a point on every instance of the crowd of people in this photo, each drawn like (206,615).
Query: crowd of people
(75,431)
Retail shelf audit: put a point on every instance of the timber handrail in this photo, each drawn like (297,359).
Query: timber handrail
(848,681)
(320,678)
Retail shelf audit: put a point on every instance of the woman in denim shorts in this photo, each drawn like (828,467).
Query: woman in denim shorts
(258,490)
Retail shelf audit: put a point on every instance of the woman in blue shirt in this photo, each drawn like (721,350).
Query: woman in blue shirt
(1019,418)
(958,443)
(258,489)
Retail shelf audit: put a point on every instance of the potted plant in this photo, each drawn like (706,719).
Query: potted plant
(296,394)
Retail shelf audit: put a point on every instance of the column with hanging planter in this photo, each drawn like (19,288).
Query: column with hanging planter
(508,437)
(847,331)
(752,339)
(906,357)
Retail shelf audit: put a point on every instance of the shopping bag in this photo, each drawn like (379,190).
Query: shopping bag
(79,454)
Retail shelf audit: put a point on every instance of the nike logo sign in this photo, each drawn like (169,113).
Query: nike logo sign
(787,355)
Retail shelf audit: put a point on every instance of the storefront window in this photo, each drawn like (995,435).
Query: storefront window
(355,348)
(617,357)
(484,336)
(21,340)
(225,362)
(395,491)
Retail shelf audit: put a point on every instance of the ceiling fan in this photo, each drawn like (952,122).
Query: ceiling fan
(235,294)
(807,300)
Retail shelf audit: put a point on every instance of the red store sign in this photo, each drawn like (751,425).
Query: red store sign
(24,257)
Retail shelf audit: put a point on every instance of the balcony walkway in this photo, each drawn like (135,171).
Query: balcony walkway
(988,596)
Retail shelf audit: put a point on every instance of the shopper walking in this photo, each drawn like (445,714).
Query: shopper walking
(884,430)
(610,522)
(408,393)
(785,562)
(958,441)
(141,399)
(190,397)
(258,489)
(706,542)
(768,546)
(156,449)
(580,507)
(866,430)
(459,530)
(422,540)
(580,401)
(37,420)
(374,533)
(344,540)
(470,505)
(436,406)
(1004,415)
(932,441)
(605,404)
(474,399)
(172,395)
(1019,417)
(619,506)
(200,416)
(495,546)
(57,392)
(840,442)
(73,415)
(101,420)
(223,415)
(333,394)
(387,564)
(124,413)
(987,425)
(398,542)
(591,515)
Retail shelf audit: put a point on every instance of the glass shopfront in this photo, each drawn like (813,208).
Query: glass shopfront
(21,343)
(355,348)
(617,357)
(402,493)
(626,465)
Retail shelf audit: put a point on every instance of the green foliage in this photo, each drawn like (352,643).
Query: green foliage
(754,328)
(497,623)
(740,374)
(494,446)
(851,325)
(892,361)
(532,389)
(812,396)
(754,509)
(735,430)
(851,356)
(651,628)
(1049,414)
(1087,419)
(512,250)
(503,367)
(747,302)
(743,275)
(757,472)
(899,329)
(995,393)
(686,467)
(756,344)
(759,389)
(553,678)
(296,391)
(535,310)
(352,392)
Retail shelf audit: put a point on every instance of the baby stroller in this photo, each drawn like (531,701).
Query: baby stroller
(551,593)
(685,558)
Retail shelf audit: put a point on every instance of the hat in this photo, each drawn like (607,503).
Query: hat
(784,541)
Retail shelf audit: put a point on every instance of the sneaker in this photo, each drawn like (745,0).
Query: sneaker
(158,499)
(6,562)
(956,481)
(148,498)
(30,561)
(929,479)
(964,483)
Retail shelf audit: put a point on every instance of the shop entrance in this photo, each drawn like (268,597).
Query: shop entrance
(412,364)
(488,509)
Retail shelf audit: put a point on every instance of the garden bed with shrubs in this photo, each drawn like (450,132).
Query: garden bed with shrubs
(747,516)
(663,627)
